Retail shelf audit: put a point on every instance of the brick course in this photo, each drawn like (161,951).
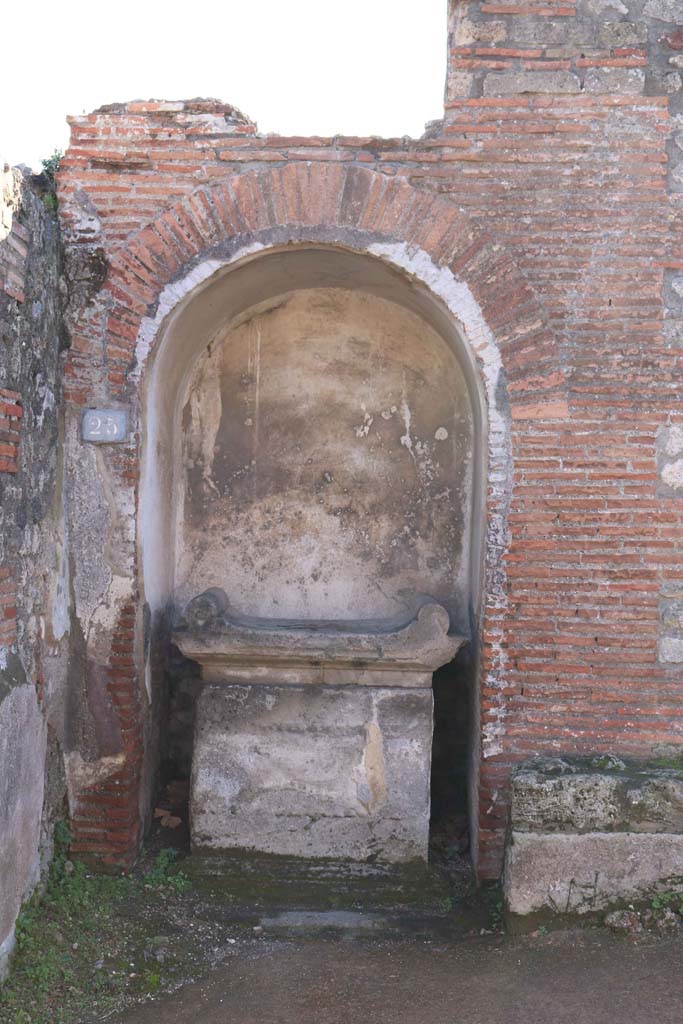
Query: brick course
(10,421)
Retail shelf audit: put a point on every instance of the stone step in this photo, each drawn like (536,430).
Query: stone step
(290,896)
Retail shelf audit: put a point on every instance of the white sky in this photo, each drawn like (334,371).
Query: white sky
(309,67)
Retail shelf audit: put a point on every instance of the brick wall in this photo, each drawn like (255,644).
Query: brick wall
(559,143)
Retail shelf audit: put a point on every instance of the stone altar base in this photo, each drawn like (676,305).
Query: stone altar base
(588,835)
(313,771)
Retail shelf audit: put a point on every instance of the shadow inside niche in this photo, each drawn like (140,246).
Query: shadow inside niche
(449,825)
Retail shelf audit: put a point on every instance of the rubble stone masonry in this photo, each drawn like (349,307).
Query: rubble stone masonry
(34,592)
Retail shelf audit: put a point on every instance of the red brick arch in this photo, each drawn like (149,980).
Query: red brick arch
(305,196)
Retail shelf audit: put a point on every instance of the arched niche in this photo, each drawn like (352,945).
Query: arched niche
(313,443)
(313,447)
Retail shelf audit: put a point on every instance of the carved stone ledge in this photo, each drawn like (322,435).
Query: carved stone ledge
(383,652)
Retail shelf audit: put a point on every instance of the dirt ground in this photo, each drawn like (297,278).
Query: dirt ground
(369,945)
(241,939)
(579,977)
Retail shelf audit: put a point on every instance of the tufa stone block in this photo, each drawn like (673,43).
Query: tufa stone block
(671,616)
(670,442)
(622,33)
(605,7)
(621,81)
(665,10)
(512,83)
(563,796)
(671,650)
(467,32)
(582,874)
(459,84)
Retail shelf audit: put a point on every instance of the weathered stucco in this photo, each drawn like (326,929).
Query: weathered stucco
(327,447)
(188,340)
(23,748)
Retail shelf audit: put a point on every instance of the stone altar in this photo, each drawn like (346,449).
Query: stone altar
(313,739)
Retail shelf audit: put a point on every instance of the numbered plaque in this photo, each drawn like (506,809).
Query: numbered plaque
(105,426)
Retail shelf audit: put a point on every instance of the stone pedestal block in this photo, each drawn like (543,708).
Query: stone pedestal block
(313,771)
(589,872)
(313,738)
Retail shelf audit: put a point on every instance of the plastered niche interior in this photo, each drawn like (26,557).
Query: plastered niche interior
(326,445)
(312,443)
